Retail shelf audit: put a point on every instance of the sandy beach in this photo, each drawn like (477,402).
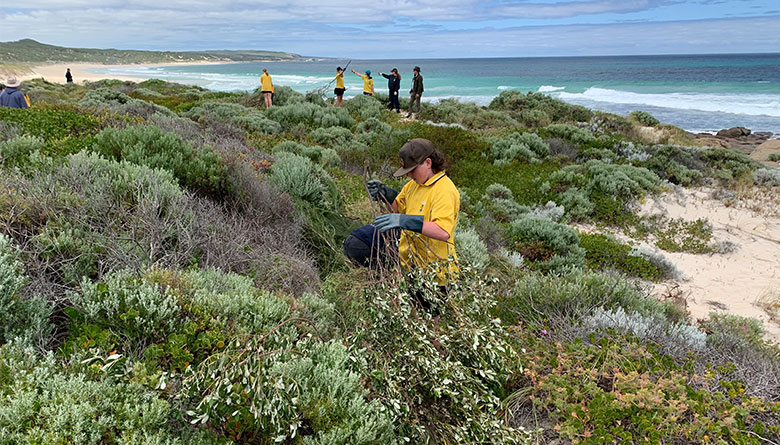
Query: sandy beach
(81,71)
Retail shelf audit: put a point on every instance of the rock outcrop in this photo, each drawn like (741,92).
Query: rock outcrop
(737,138)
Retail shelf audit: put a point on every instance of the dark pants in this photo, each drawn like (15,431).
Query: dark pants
(394,103)
(412,99)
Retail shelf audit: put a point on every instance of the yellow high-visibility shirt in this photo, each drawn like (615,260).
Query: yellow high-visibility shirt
(368,84)
(340,81)
(438,200)
(265,83)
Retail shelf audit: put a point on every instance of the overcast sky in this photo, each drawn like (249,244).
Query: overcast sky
(404,28)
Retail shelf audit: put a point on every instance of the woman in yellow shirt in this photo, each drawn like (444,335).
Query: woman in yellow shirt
(339,91)
(267,88)
(426,209)
(368,82)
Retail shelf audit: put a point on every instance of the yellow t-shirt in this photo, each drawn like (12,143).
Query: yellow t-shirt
(438,200)
(340,81)
(265,83)
(368,84)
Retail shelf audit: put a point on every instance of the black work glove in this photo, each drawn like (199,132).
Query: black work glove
(381,192)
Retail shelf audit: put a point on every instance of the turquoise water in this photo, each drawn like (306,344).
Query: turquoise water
(696,92)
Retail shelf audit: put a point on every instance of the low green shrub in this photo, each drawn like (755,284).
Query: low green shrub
(604,252)
(769,177)
(576,135)
(472,251)
(535,118)
(557,110)
(679,337)
(63,129)
(249,119)
(16,151)
(303,179)
(727,164)
(310,115)
(466,114)
(547,244)
(678,235)
(332,137)
(199,169)
(120,103)
(774,157)
(525,147)
(675,164)
(644,118)
(364,107)
(373,125)
(325,157)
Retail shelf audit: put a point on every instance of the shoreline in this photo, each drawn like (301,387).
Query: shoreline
(55,72)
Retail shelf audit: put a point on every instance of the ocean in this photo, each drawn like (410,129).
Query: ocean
(699,93)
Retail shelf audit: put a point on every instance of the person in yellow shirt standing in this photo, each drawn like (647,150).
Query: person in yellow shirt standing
(368,82)
(426,209)
(339,91)
(267,88)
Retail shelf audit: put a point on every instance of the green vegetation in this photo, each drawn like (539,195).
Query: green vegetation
(171,272)
(30,51)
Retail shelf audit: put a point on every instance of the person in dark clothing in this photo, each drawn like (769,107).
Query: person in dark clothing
(393,85)
(11,96)
(68,76)
(416,91)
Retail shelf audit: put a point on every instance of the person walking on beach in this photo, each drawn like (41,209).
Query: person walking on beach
(393,85)
(68,76)
(368,82)
(416,91)
(339,91)
(267,88)
(11,96)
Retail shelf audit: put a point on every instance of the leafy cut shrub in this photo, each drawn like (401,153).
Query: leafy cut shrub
(310,115)
(549,244)
(199,169)
(525,147)
(139,310)
(15,152)
(303,179)
(64,130)
(605,252)
(472,252)
(576,135)
(468,115)
(644,118)
(45,403)
(25,320)
(120,103)
(675,164)
(769,177)
(557,110)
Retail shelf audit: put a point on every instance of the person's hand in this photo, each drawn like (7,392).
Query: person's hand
(380,192)
(388,221)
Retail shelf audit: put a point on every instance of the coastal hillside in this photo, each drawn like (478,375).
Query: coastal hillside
(28,51)
(171,272)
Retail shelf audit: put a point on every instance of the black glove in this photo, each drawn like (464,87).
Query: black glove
(381,192)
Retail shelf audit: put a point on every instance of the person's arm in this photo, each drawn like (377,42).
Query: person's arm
(386,76)
(432,230)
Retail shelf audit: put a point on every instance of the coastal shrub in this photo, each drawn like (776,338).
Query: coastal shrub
(472,252)
(535,118)
(303,179)
(325,157)
(310,115)
(373,125)
(146,93)
(605,252)
(15,152)
(63,129)
(332,137)
(283,96)
(727,164)
(550,210)
(468,115)
(576,135)
(8,131)
(769,177)
(675,164)
(577,204)
(670,335)
(668,270)
(501,205)
(525,147)
(45,403)
(199,169)
(774,157)
(120,103)
(256,123)
(550,245)
(557,110)
(679,235)
(633,153)
(644,118)
(249,119)
(22,319)
(122,302)
(363,107)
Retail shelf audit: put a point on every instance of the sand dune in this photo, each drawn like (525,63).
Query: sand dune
(56,72)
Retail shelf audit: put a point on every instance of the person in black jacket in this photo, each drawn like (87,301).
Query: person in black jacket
(416,91)
(394,85)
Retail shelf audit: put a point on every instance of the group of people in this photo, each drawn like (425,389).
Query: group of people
(393,86)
